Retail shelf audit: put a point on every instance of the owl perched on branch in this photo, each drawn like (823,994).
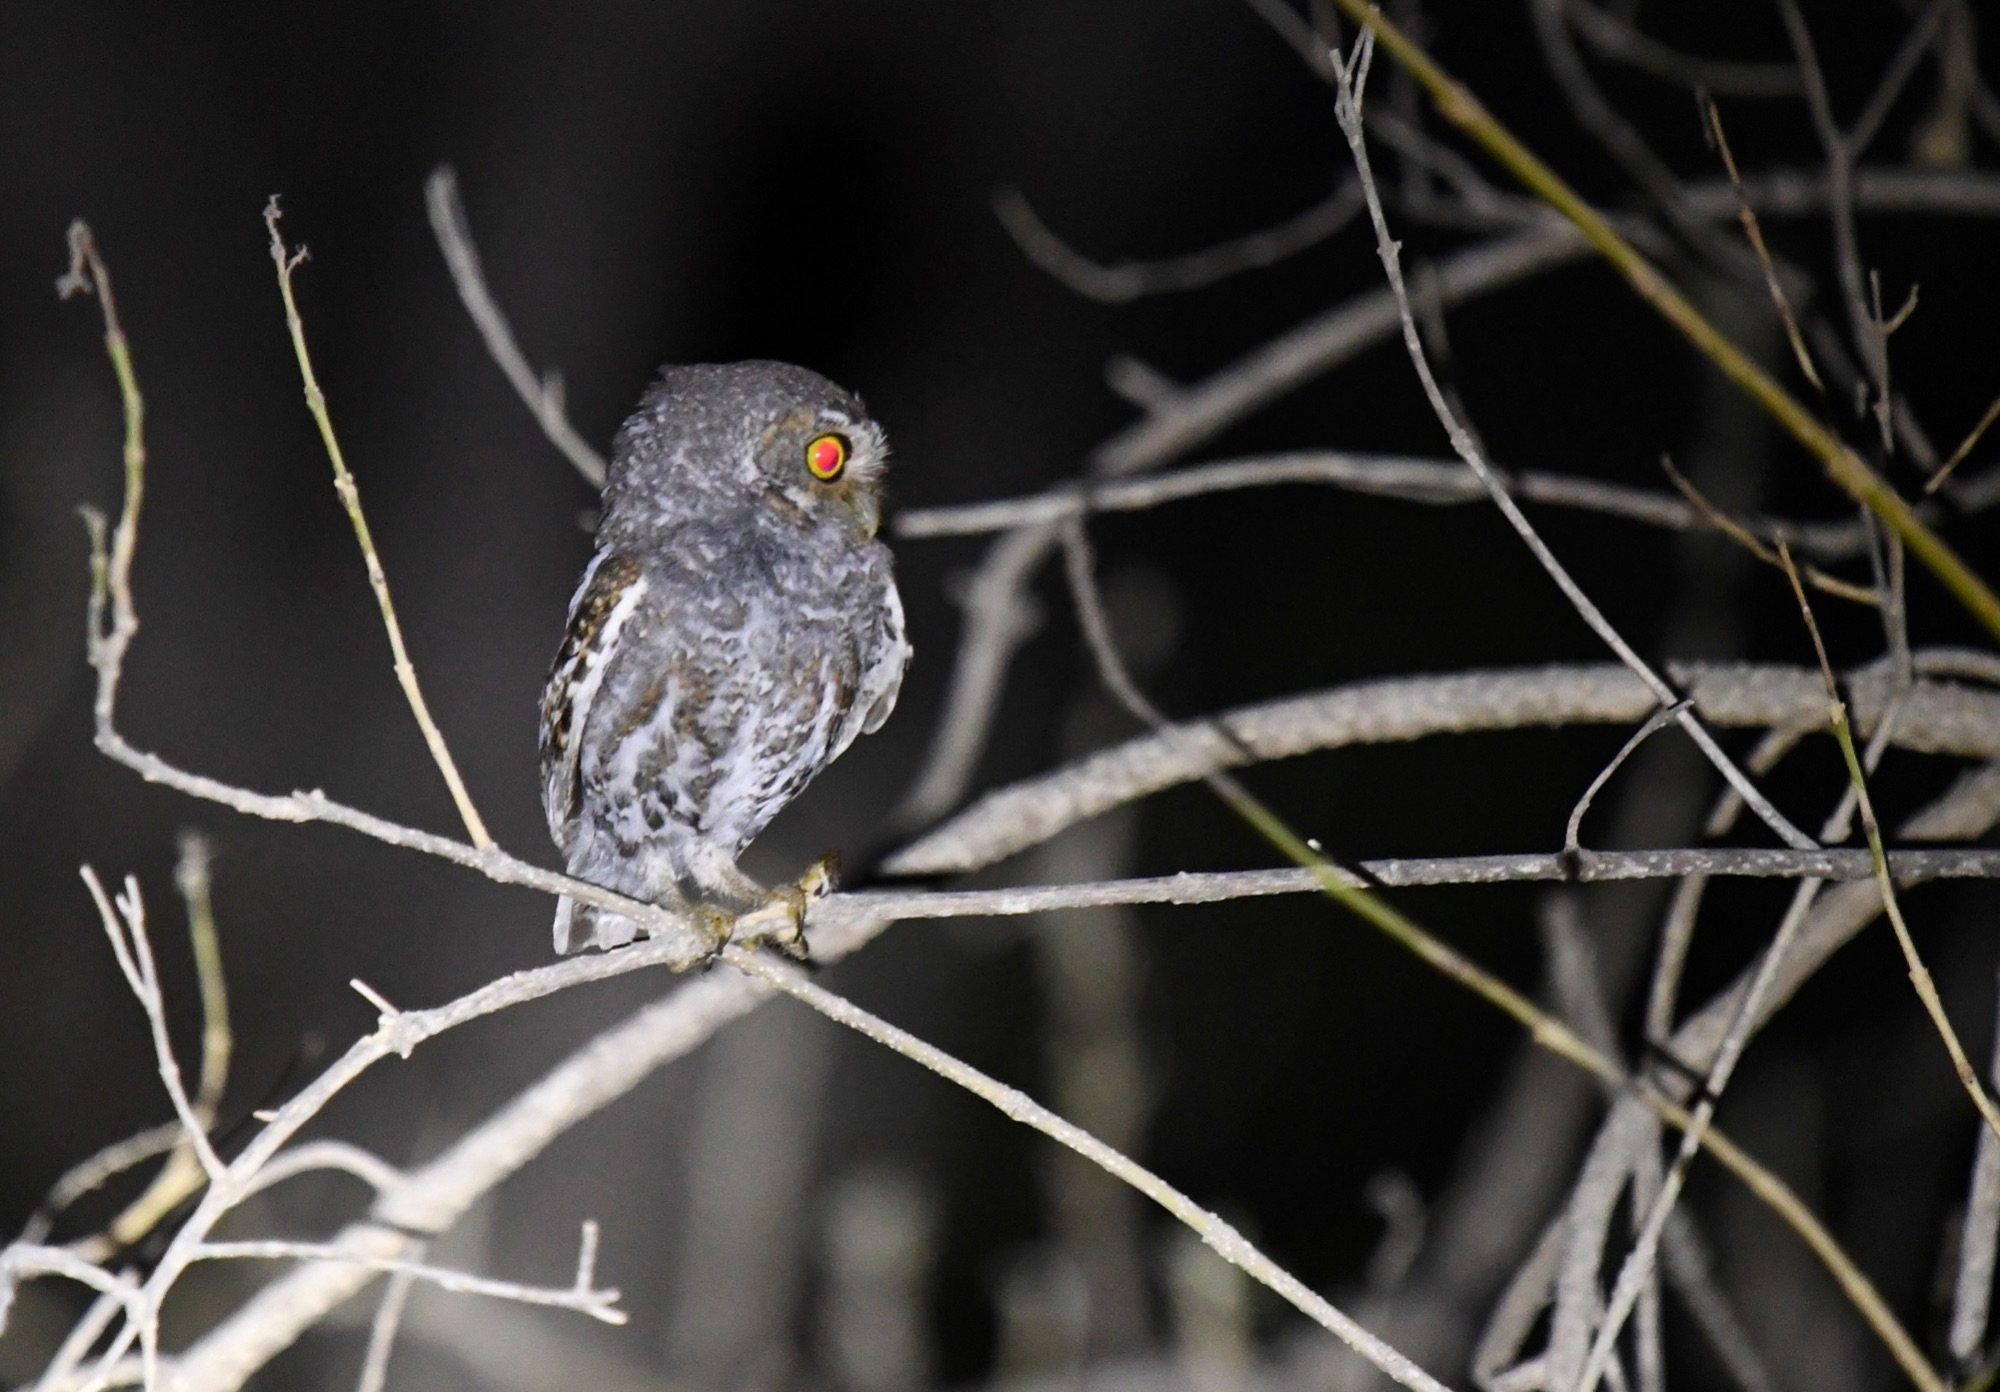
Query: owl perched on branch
(737,629)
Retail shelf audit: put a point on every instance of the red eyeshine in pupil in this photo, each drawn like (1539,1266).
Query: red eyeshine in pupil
(826,456)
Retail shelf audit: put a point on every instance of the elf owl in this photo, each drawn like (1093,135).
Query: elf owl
(736,630)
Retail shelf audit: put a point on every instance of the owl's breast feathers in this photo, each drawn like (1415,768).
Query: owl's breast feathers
(726,669)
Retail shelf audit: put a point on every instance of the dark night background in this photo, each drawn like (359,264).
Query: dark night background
(676,182)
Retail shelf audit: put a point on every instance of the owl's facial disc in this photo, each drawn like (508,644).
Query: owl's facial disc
(828,463)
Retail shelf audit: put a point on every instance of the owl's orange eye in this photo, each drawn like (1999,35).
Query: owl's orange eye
(826,456)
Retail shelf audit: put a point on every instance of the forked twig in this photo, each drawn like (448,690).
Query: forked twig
(124,922)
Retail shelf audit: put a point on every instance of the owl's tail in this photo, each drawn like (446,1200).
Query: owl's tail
(580,926)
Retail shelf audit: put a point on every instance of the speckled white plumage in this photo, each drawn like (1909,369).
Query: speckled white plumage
(737,630)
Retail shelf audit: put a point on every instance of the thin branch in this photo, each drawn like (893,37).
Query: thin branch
(1227,1242)
(1324,341)
(320,1156)
(582,1295)
(1978,1240)
(1754,232)
(1755,545)
(94,1171)
(23,1261)
(543,395)
(1939,718)
(1573,829)
(1620,41)
(1965,448)
(1896,74)
(125,925)
(382,1331)
(191,877)
(1623,140)
(80,1340)
(183,1174)
(1691,1273)
(1131,280)
(350,499)
(999,616)
(1677,932)
(1435,482)
(1871,346)
(1920,976)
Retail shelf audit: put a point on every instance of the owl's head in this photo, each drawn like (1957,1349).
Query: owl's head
(711,436)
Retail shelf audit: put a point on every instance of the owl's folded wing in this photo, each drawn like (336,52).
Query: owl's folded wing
(605,600)
(883,679)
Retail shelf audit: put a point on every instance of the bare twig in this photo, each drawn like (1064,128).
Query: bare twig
(22,1261)
(183,1174)
(1870,345)
(999,617)
(1617,39)
(1896,74)
(95,1170)
(1755,233)
(1436,482)
(191,877)
(1227,1242)
(1573,830)
(1978,1239)
(582,1295)
(1965,448)
(350,498)
(125,925)
(320,1156)
(1920,976)
(542,395)
(382,1331)
(1131,280)
(1755,545)
(1621,139)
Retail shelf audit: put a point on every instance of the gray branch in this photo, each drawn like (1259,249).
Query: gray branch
(1939,718)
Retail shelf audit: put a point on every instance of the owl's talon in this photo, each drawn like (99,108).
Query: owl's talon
(718,927)
(821,878)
